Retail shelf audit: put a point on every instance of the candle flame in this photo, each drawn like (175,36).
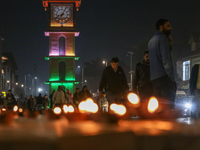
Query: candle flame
(118,109)
(3,109)
(71,109)
(57,110)
(133,98)
(15,108)
(153,105)
(65,108)
(88,106)
(20,110)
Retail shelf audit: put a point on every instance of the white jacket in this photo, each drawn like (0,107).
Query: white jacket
(59,97)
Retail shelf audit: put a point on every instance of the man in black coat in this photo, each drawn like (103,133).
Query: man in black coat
(141,79)
(114,82)
(77,97)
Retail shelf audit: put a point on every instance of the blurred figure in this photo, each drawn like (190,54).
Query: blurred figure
(85,93)
(69,97)
(1,101)
(103,103)
(21,100)
(195,89)
(50,98)
(59,97)
(76,97)
(10,100)
(45,102)
(114,82)
(141,79)
(31,103)
(39,102)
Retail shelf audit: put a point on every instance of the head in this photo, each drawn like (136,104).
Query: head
(59,88)
(146,56)
(164,26)
(40,94)
(77,90)
(45,96)
(21,95)
(114,63)
(104,94)
(84,88)
(31,96)
(9,91)
(68,91)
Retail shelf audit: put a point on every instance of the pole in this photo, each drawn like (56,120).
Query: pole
(131,68)
(35,77)
(82,76)
(1,39)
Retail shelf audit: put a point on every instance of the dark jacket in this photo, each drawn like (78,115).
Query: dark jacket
(141,77)
(40,100)
(113,82)
(84,95)
(10,97)
(193,78)
(76,97)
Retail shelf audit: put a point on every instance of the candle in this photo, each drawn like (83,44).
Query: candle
(134,99)
(153,105)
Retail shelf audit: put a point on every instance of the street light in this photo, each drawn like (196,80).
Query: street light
(105,62)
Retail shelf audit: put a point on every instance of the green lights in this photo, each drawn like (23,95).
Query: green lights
(73,57)
(76,82)
(54,79)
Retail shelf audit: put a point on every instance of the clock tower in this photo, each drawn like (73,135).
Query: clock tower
(61,32)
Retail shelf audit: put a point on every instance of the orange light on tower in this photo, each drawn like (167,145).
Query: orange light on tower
(134,99)
(153,105)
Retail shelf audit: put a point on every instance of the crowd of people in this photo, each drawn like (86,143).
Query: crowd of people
(153,76)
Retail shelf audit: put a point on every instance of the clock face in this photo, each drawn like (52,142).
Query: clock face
(62,15)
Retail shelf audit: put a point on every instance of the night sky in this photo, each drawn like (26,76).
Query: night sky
(107,28)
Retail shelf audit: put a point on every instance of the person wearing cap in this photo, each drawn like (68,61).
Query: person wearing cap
(113,82)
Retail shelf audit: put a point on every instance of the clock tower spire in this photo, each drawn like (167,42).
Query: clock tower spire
(61,32)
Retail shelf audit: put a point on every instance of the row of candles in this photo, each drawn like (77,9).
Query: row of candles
(133,107)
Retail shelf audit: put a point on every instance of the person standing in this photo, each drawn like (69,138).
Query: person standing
(45,102)
(59,97)
(141,79)
(76,97)
(85,93)
(69,97)
(161,65)
(39,101)
(114,82)
(10,100)
(21,100)
(31,103)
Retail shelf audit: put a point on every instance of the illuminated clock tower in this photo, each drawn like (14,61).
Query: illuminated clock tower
(61,32)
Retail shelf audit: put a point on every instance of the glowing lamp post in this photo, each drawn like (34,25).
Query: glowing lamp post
(104,62)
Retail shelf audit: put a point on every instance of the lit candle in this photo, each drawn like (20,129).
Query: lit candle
(118,109)
(71,109)
(153,105)
(15,108)
(134,99)
(57,110)
(65,108)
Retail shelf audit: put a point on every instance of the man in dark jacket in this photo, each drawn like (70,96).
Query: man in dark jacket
(10,100)
(77,96)
(141,79)
(114,82)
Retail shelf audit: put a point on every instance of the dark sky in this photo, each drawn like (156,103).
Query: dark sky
(107,28)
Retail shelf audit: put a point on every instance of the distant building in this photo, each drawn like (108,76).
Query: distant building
(187,60)
(9,77)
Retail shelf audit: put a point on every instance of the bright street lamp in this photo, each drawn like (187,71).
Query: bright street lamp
(105,62)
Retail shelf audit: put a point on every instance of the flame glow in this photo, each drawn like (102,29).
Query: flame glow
(71,109)
(133,98)
(15,108)
(118,109)
(88,106)
(153,105)
(65,108)
(57,110)
(3,109)
(20,110)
